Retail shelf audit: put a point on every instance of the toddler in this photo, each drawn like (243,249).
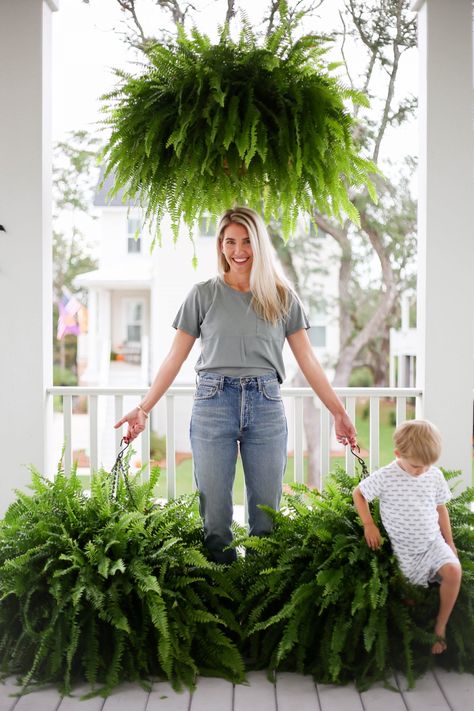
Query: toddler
(413,493)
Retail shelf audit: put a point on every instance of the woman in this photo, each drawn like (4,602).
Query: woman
(242,317)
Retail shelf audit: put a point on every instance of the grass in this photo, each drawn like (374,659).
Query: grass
(184,475)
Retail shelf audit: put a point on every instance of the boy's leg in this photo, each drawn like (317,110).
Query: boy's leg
(450,575)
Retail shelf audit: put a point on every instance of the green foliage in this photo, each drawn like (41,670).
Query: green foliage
(63,376)
(157,446)
(320,602)
(206,126)
(112,588)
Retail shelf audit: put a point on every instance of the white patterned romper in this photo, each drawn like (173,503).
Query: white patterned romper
(408,510)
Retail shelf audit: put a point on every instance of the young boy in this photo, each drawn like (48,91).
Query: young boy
(412,495)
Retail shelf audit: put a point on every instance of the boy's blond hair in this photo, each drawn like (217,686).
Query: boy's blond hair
(419,439)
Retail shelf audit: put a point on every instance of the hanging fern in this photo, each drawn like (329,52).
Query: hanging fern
(319,601)
(207,126)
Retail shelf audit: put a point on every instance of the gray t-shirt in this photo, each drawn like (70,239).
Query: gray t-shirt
(234,340)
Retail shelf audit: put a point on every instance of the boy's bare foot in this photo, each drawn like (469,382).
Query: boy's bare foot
(440,645)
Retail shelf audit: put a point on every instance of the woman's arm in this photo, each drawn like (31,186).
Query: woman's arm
(169,369)
(445,526)
(316,377)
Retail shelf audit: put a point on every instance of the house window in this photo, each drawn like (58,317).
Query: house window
(134,236)
(207,227)
(317,336)
(134,311)
(317,332)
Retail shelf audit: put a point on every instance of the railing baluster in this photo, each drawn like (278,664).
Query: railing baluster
(93,433)
(401,396)
(67,438)
(325,448)
(118,412)
(351,411)
(374,433)
(298,462)
(170,447)
(400,410)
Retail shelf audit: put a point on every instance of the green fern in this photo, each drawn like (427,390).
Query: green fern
(262,123)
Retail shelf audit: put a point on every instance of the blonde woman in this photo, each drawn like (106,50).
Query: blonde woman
(242,317)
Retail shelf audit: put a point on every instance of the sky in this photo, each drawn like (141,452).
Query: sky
(88,43)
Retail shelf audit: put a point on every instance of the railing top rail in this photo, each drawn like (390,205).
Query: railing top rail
(189,390)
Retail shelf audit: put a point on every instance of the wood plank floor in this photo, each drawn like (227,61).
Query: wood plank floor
(436,691)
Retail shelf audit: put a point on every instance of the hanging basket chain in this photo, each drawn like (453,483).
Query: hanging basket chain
(118,470)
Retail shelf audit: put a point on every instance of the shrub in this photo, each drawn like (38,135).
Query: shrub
(319,601)
(157,446)
(110,588)
(113,587)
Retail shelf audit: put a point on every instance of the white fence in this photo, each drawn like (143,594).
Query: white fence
(97,396)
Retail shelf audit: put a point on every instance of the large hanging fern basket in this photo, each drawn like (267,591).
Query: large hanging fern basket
(207,126)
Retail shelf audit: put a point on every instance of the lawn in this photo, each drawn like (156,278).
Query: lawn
(184,474)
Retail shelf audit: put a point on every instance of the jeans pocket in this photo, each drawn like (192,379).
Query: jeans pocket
(206,390)
(271,389)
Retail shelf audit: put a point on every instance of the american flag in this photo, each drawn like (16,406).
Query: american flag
(68,307)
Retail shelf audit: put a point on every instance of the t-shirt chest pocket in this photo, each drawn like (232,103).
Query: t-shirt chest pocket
(269,331)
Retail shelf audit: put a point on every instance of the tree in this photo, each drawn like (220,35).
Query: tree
(387,30)
(74,162)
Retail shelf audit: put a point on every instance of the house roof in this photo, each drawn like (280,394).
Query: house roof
(117,276)
(101,198)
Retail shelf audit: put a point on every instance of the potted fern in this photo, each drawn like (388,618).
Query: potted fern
(110,587)
(263,123)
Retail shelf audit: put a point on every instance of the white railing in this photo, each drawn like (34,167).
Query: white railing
(348,395)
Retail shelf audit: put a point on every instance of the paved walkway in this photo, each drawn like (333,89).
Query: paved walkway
(438,691)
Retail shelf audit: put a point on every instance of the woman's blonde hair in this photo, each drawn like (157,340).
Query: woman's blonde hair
(420,439)
(270,289)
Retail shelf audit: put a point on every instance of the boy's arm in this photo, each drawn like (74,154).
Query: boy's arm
(445,526)
(371,532)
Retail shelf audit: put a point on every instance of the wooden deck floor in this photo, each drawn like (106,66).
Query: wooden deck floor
(438,691)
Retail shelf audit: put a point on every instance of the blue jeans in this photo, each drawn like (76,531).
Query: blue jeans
(229,413)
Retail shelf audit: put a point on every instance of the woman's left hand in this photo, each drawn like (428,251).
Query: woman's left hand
(345,430)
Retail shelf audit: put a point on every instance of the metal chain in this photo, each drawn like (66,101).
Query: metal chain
(365,471)
(119,469)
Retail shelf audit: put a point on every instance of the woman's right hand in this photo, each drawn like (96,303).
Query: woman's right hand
(136,420)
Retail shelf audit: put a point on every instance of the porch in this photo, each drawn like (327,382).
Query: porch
(445,346)
(438,690)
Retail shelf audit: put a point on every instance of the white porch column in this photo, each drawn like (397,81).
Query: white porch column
(25,247)
(445,226)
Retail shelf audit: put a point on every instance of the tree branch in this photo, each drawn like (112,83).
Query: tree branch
(391,84)
(230,11)
(129,6)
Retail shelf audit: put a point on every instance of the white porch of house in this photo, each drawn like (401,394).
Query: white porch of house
(436,691)
(445,301)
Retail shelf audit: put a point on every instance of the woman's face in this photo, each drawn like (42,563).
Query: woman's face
(237,250)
